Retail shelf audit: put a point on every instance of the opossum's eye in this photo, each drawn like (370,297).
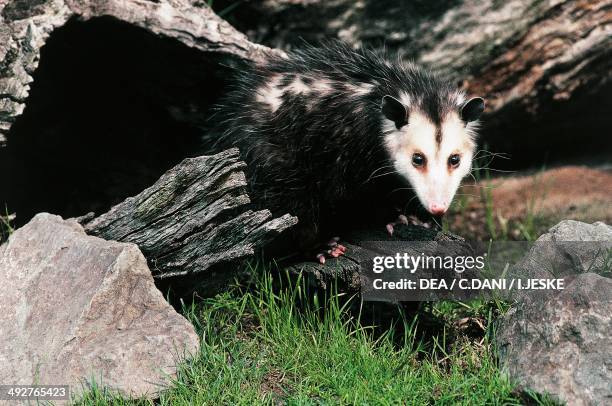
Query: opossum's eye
(418,160)
(472,109)
(394,110)
(454,160)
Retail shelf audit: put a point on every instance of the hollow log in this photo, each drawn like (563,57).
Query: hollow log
(25,26)
(99,98)
(194,219)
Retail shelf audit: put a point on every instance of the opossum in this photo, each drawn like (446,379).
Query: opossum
(340,137)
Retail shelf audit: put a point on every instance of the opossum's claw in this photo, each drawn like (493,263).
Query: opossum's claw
(401,219)
(416,222)
(334,250)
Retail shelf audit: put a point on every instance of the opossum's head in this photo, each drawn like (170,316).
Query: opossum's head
(431,144)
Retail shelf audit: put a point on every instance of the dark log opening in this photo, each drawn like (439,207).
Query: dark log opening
(111,108)
(560,132)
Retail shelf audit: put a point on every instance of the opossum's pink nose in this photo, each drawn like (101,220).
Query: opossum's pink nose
(437,209)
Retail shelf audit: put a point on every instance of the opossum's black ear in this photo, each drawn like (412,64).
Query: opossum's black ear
(472,109)
(394,110)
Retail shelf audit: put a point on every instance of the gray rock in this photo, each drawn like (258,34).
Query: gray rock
(567,250)
(572,230)
(76,307)
(585,246)
(560,342)
(563,347)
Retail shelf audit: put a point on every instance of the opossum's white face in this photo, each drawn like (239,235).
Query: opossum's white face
(432,157)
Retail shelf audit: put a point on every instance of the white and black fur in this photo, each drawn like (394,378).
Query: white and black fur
(334,135)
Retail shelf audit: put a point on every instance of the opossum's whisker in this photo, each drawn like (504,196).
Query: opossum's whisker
(378,176)
(384,174)
(380,168)
(435,220)
(477,185)
(403,188)
(494,170)
(487,153)
(473,177)
(409,201)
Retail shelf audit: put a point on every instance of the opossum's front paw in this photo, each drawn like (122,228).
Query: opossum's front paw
(332,250)
(401,219)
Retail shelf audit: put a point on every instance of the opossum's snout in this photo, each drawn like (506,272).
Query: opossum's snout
(435,190)
(434,177)
(437,209)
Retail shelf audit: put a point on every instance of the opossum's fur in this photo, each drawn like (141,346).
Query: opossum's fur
(311,131)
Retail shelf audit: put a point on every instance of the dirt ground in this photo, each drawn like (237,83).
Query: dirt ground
(523,206)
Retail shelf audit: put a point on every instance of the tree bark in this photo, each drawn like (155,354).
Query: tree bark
(193,219)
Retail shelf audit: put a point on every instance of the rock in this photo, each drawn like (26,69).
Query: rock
(564,346)
(585,246)
(567,250)
(559,341)
(76,307)
(571,230)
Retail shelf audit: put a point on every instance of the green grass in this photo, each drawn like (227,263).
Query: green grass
(529,226)
(487,198)
(6,228)
(481,173)
(276,341)
(224,12)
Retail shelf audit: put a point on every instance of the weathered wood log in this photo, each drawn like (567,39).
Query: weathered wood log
(25,26)
(194,222)
(545,68)
(147,70)
(194,219)
(349,272)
